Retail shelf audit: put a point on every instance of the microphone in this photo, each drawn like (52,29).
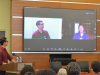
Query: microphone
(14,54)
(17,56)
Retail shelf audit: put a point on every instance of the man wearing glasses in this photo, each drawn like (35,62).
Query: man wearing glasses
(4,55)
(40,33)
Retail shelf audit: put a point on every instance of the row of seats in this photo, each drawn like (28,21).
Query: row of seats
(56,65)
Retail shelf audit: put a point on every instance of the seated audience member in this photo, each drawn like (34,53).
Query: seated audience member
(62,72)
(95,65)
(27,70)
(46,72)
(29,73)
(73,69)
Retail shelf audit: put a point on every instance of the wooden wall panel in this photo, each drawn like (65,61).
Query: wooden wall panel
(18,6)
(98,28)
(98,44)
(41,60)
(17,25)
(90,57)
(85,1)
(17,43)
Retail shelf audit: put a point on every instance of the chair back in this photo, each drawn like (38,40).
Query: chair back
(84,65)
(55,66)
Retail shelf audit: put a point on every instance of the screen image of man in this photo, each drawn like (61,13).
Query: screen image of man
(4,55)
(81,35)
(40,33)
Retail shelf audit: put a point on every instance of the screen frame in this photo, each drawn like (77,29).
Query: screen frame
(61,50)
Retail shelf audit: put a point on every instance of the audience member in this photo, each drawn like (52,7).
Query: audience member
(27,70)
(95,65)
(62,72)
(29,73)
(46,72)
(73,69)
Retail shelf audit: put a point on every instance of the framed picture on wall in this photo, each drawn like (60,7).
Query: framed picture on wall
(2,34)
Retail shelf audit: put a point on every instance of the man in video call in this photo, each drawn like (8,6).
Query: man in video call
(81,35)
(40,33)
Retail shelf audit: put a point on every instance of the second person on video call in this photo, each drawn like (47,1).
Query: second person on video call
(81,35)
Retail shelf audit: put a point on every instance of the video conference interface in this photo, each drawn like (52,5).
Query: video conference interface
(53,29)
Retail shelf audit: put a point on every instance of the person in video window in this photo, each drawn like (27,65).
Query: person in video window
(81,35)
(40,33)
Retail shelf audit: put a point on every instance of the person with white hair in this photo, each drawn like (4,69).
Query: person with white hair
(62,72)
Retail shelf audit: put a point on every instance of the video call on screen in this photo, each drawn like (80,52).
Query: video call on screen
(54,29)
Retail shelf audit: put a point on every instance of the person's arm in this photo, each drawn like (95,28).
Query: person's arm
(13,61)
(74,37)
(1,62)
(87,37)
(9,57)
(4,63)
(48,35)
(33,36)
